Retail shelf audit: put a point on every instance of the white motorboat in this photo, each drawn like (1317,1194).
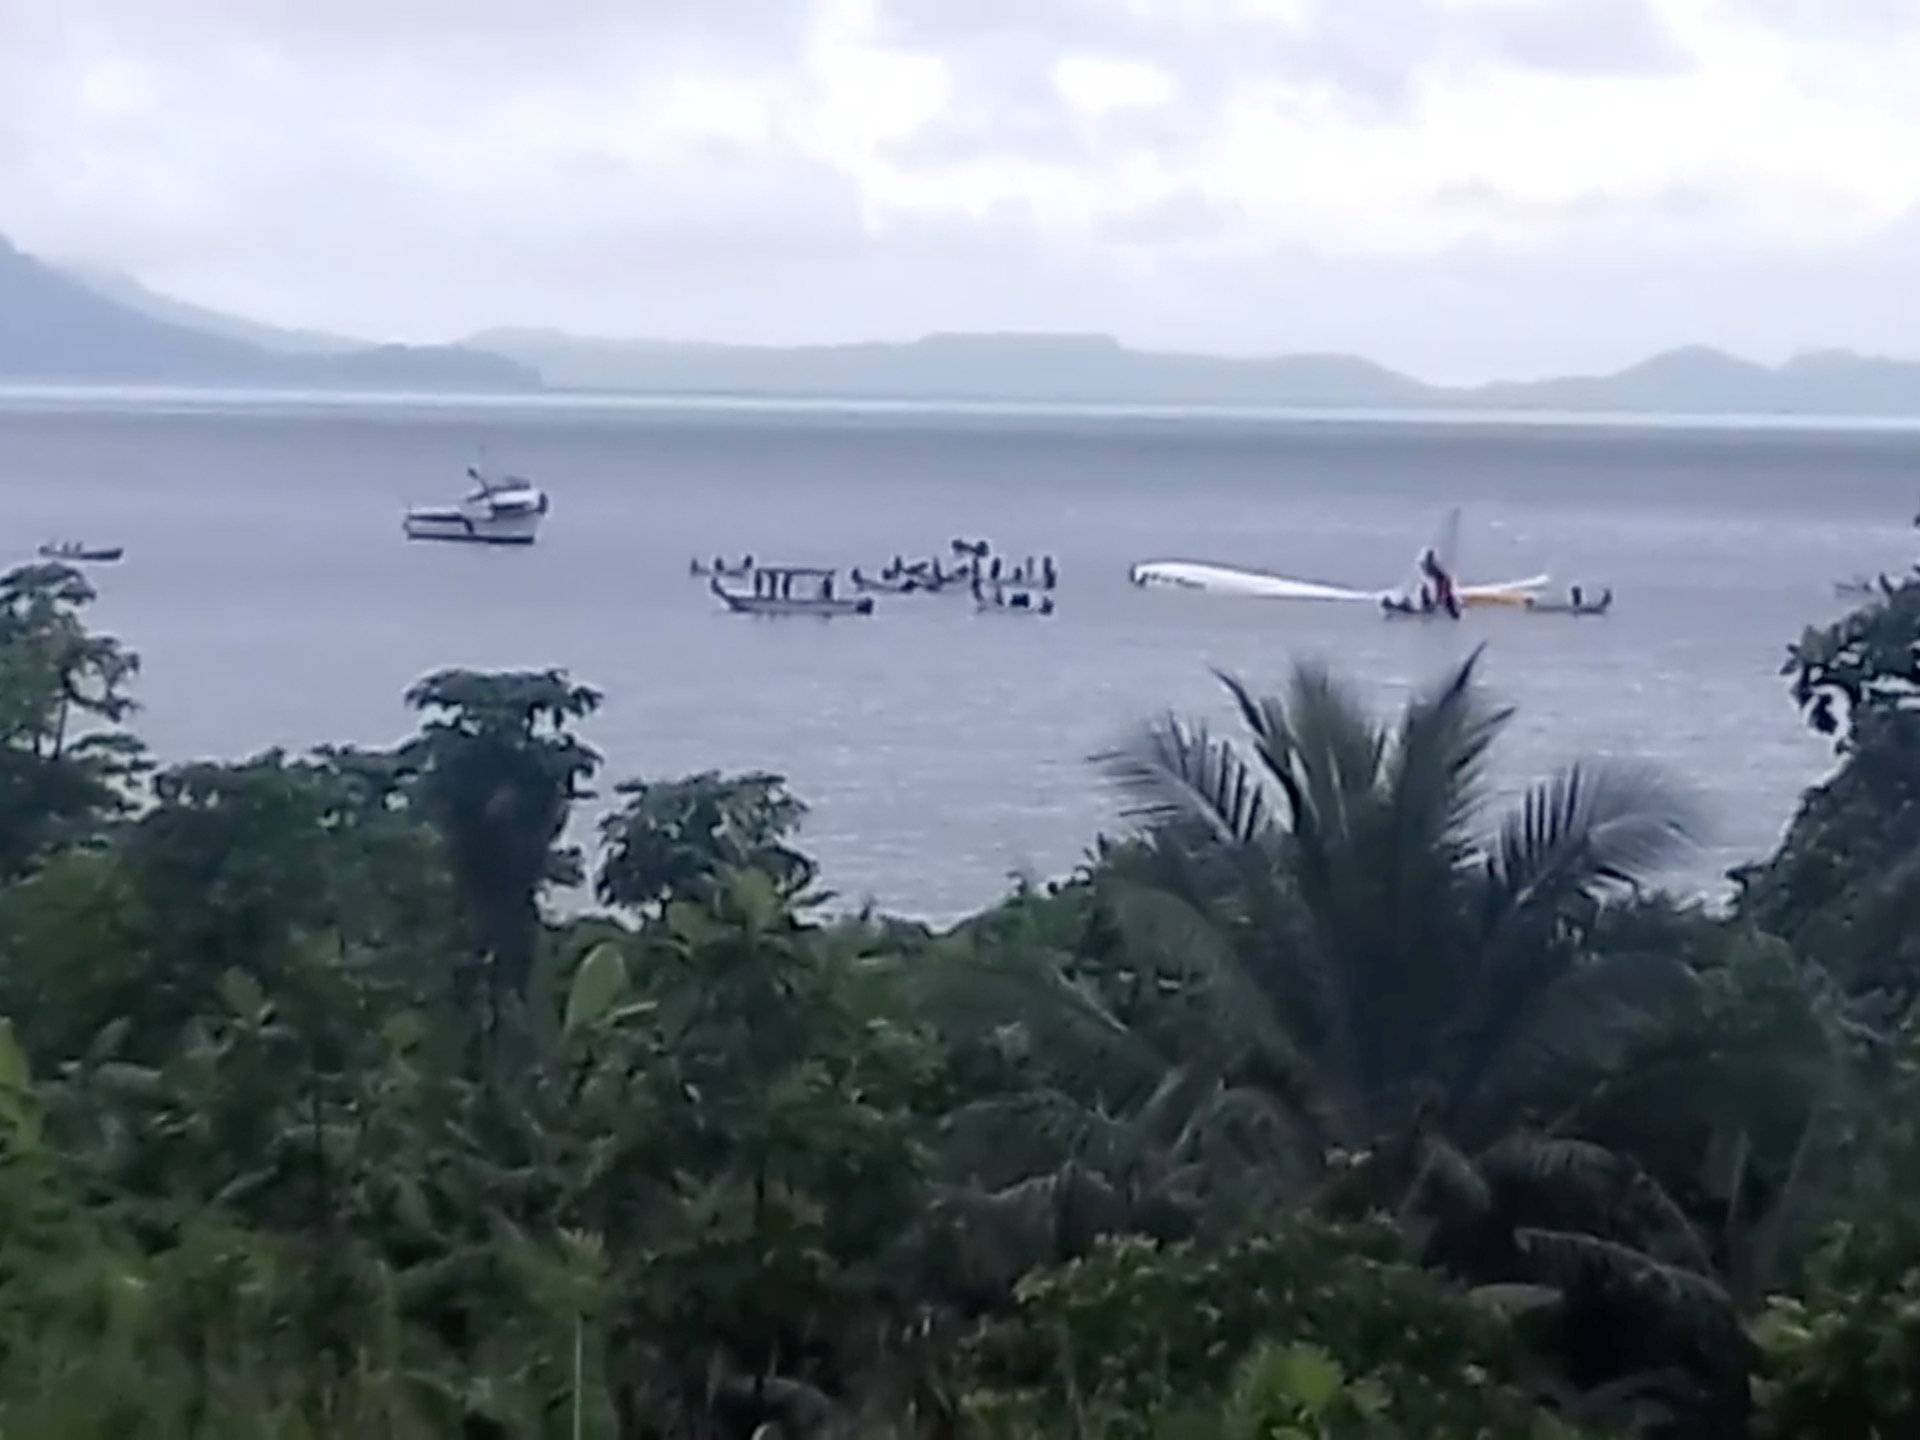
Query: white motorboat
(498,511)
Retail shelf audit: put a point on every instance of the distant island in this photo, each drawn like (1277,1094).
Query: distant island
(1098,369)
(79,326)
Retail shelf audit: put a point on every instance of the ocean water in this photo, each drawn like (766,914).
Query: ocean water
(274,601)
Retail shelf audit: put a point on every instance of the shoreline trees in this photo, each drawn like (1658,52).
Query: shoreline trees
(1325,1102)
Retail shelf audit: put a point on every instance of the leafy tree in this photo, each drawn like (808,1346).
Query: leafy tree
(497,770)
(65,767)
(1844,885)
(756,1156)
(677,838)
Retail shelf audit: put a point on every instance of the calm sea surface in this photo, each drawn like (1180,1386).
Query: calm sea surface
(275,603)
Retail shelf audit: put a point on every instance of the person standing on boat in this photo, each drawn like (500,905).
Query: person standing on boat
(1444,595)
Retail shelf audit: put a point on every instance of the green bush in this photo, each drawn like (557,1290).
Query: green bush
(1138,1338)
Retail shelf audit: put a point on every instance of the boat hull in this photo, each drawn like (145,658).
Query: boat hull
(790,604)
(105,555)
(473,530)
(761,605)
(1561,607)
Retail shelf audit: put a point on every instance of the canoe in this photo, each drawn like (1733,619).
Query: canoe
(102,554)
(1567,607)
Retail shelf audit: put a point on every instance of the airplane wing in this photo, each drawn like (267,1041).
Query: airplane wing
(1229,580)
(1506,587)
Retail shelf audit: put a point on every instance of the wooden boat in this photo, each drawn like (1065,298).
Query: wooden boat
(74,550)
(1572,606)
(773,593)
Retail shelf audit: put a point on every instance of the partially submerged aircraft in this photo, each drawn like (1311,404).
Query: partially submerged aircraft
(1427,590)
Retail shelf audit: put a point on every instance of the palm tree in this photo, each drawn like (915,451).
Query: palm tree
(1384,959)
(1410,979)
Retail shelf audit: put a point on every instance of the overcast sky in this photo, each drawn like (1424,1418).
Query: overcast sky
(1459,187)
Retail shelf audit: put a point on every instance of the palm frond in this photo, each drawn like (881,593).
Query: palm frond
(973,991)
(1448,1186)
(1337,745)
(1608,1185)
(1266,720)
(1173,773)
(1555,1161)
(1588,828)
(1436,772)
(1247,994)
(1571,1259)
(1000,1139)
(1319,745)
(1542,1049)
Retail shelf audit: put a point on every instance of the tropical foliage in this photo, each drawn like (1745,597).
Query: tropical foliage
(1335,1098)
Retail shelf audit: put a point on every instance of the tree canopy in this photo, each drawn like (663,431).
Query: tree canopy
(1330,1099)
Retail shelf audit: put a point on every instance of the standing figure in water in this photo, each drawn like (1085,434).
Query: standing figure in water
(1444,596)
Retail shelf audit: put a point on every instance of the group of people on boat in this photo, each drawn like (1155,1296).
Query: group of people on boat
(1436,595)
(903,576)
(997,584)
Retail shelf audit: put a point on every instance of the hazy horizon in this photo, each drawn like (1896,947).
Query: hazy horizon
(1461,190)
(110,283)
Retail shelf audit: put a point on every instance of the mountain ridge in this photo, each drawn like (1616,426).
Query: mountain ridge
(75,325)
(987,367)
(55,327)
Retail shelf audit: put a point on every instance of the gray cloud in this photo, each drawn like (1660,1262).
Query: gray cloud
(421,169)
(1370,49)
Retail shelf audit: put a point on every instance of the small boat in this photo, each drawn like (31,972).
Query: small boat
(74,550)
(1575,604)
(503,511)
(773,593)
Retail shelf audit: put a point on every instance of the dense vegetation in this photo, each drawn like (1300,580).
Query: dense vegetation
(1329,1102)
